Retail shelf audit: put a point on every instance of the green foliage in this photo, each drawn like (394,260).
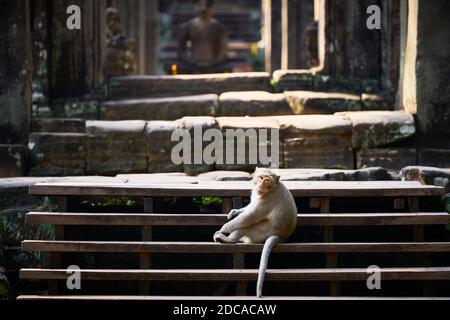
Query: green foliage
(115,202)
(206,201)
(47,205)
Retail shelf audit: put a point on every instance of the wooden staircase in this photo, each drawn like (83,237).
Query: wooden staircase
(320,197)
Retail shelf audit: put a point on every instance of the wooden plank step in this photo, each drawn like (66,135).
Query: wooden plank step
(341,219)
(343,274)
(210,247)
(213,298)
(238,189)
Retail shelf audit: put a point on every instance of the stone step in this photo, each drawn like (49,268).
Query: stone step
(57,154)
(132,87)
(151,109)
(311,80)
(58,125)
(309,102)
(254,104)
(306,141)
(237,103)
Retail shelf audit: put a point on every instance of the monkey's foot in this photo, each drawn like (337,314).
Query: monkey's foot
(221,238)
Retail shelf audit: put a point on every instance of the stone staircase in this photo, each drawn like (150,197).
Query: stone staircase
(155,253)
(319,128)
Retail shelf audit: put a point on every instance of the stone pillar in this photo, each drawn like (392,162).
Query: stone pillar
(272,34)
(66,49)
(297,15)
(94,30)
(426,82)
(390,44)
(352,51)
(15,85)
(152,32)
(140,19)
(74,56)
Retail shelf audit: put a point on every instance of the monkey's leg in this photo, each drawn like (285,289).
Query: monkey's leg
(234,237)
(246,219)
(259,232)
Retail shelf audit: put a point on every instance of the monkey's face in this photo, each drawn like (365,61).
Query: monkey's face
(264,184)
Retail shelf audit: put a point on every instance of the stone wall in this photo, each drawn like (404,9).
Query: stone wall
(343,141)
(426,83)
(15,85)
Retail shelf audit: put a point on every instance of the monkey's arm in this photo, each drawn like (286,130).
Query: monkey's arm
(235,213)
(247,218)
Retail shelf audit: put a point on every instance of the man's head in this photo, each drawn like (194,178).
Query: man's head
(205,8)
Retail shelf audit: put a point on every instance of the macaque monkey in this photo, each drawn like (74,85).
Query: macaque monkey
(270,218)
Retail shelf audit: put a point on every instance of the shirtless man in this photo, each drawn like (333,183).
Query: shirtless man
(209,43)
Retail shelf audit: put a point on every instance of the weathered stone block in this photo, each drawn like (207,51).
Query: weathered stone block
(253,103)
(225,176)
(57,154)
(183,85)
(197,126)
(12,161)
(369,174)
(309,102)
(290,80)
(372,129)
(439,158)
(326,152)
(310,174)
(316,141)
(246,155)
(377,102)
(314,125)
(427,175)
(159,178)
(116,147)
(56,125)
(172,108)
(160,145)
(393,159)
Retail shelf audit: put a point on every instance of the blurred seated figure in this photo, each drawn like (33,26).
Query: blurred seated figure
(203,43)
(120,58)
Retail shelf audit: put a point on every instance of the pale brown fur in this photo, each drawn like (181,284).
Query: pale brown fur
(271,215)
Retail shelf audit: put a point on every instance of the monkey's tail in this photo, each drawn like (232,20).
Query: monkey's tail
(268,246)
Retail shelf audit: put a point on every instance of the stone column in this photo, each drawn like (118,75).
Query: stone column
(15,85)
(94,30)
(152,36)
(352,51)
(272,34)
(140,19)
(426,80)
(74,56)
(66,50)
(297,15)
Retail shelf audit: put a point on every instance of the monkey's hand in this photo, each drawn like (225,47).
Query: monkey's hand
(233,214)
